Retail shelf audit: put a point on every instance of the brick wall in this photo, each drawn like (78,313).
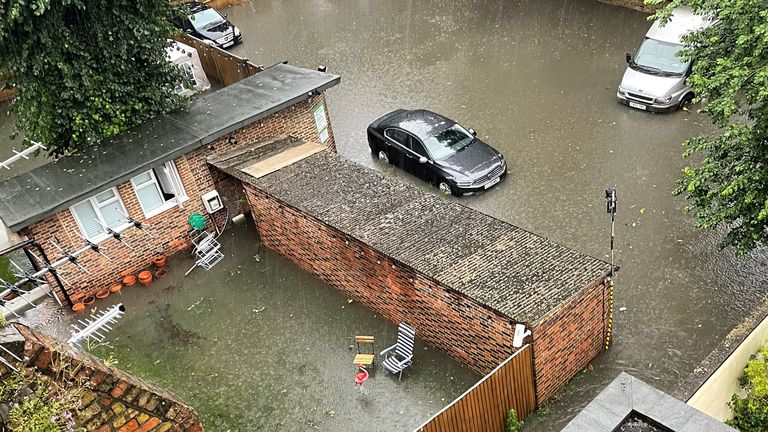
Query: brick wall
(567,339)
(170,228)
(564,341)
(112,400)
(448,320)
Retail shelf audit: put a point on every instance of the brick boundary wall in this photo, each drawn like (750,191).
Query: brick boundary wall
(472,334)
(564,341)
(567,339)
(112,400)
(170,228)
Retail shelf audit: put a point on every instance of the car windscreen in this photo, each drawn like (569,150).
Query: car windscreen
(448,142)
(655,56)
(205,18)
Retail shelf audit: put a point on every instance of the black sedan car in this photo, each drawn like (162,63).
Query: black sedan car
(205,23)
(438,150)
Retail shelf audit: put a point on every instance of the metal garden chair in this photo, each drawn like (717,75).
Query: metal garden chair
(399,356)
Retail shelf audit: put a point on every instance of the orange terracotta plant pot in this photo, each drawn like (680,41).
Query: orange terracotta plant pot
(89,300)
(145,277)
(102,294)
(160,273)
(129,280)
(78,307)
(115,288)
(159,261)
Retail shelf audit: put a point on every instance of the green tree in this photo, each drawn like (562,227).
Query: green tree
(86,69)
(726,184)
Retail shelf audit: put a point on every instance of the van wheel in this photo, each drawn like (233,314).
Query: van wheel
(686,101)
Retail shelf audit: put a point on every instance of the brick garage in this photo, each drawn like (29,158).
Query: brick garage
(383,244)
(287,113)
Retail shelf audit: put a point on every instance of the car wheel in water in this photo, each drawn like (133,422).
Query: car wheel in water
(686,101)
(445,187)
(383,156)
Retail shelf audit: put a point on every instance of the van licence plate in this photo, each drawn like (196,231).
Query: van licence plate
(492,182)
(637,105)
(228,44)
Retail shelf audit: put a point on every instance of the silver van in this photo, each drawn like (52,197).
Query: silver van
(655,79)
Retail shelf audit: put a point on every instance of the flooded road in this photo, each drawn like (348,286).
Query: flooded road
(537,80)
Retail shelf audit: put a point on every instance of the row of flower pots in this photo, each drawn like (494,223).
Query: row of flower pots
(145,277)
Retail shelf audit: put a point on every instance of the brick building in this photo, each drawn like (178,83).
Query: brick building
(463,279)
(156,175)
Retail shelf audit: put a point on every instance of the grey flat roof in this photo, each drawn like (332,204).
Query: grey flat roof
(508,269)
(41,192)
(626,395)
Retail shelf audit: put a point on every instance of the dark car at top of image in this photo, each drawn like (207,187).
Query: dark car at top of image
(207,24)
(437,150)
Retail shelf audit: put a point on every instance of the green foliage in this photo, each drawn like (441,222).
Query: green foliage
(727,186)
(86,69)
(513,424)
(750,414)
(49,408)
(34,415)
(6,273)
(2,320)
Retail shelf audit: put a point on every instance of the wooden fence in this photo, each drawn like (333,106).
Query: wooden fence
(219,65)
(484,407)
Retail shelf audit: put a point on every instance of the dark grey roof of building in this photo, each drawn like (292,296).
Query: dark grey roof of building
(517,273)
(627,395)
(34,195)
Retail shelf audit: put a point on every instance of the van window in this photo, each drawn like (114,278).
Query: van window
(660,58)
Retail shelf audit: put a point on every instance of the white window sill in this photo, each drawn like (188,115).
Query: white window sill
(167,206)
(101,237)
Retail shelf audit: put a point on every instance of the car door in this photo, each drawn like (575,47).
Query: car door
(397,145)
(424,170)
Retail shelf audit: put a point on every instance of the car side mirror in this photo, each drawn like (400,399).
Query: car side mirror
(628,57)
(473,132)
(423,160)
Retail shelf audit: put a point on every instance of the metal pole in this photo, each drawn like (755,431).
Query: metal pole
(53,273)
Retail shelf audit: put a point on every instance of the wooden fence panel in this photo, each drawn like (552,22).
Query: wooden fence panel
(484,407)
(220,65)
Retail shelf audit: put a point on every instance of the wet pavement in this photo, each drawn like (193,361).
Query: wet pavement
(537,79)
(263,346)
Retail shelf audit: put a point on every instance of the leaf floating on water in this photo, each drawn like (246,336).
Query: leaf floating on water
(642,210)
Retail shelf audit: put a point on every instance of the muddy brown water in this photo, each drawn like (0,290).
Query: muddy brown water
(537,80)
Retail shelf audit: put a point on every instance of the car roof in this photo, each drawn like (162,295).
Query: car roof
(193,7)
(421,123)
(683,21)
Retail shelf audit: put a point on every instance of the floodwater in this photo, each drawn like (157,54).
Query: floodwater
(537,79)
(263,346)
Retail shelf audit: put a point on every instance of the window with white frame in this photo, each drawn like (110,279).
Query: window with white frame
(102,210)
(159,189)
